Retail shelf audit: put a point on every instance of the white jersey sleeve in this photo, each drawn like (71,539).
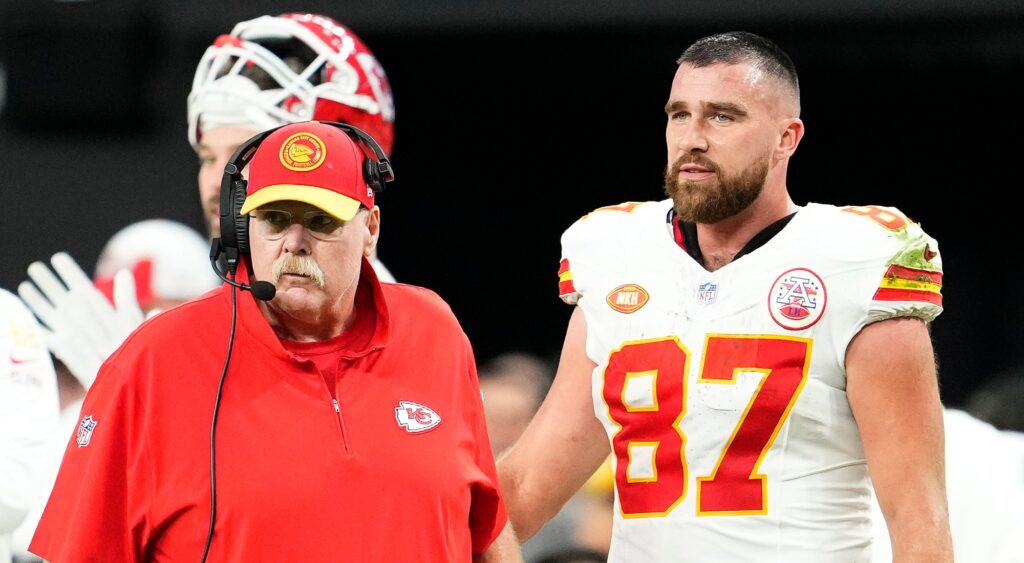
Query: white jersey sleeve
(28,412)
(724,393)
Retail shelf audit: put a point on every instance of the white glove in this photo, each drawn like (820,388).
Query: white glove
(80,325)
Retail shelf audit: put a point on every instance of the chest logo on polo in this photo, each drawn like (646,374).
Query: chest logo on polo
(84,434)
(797,299)
(627,298)
(416,418)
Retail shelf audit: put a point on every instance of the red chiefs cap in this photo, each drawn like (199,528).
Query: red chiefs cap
(313,163)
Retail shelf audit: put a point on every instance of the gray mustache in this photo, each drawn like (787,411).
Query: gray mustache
(300,265)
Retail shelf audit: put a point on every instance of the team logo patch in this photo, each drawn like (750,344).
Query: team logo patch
(85,428)
(797,299)
(627,298)
(707,293)
(415,417)
(303,152)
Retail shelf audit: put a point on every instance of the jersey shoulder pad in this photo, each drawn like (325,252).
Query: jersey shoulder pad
(604,222)
(909,244)
(908,259)
(601,233)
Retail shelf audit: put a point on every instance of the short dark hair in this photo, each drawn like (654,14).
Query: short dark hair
(734,47)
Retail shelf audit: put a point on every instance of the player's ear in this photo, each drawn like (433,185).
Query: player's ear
(790,134)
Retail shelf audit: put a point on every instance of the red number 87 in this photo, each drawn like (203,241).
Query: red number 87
(645,390)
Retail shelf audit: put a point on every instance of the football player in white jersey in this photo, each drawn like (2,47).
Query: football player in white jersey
(745,360)
(28,413)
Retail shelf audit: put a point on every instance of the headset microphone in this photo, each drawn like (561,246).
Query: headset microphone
(262,290)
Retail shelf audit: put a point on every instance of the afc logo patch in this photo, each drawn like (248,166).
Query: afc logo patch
(797,299)
(416,418)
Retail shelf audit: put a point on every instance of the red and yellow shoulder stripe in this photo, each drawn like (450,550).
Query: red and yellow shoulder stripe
(901,283)
(565,286)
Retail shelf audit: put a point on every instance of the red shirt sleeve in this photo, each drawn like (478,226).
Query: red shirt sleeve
(96,509)
(487,513)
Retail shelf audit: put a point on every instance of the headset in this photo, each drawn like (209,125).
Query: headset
(233,243)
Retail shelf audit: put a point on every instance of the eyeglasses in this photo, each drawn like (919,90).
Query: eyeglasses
(272,224)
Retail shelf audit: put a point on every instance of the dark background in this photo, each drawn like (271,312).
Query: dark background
(515,118)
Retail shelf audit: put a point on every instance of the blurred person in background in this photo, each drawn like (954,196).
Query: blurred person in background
(161,264)
(985,486)
(268,71)
(28,413)
(513,385)
(1000,401)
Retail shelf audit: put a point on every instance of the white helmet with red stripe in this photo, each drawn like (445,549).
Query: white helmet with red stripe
(274,70)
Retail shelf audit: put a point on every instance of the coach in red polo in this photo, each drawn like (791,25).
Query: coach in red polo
(350,425)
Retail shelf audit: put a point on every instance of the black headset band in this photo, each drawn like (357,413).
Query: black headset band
(234,227)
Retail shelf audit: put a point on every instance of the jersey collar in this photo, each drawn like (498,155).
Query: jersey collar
(685,235)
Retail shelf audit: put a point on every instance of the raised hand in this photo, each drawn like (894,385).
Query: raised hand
(82,328)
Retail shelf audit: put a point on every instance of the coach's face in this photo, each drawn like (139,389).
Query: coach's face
(216,146)
(312,258)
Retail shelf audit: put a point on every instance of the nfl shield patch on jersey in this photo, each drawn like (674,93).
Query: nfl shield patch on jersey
(85,428)
(707,293)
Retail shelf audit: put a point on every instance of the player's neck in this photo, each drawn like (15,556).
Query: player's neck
(720,242)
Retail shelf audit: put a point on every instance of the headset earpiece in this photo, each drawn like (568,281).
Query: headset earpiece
(241,222)
(371,174)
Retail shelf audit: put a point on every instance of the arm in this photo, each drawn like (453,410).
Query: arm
(893,391)
(504,548)
(563,445)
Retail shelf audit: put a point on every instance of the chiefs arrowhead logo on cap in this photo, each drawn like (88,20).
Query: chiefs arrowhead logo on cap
(627,298)
(303,152)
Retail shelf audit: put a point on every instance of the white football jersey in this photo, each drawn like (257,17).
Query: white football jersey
(724,393)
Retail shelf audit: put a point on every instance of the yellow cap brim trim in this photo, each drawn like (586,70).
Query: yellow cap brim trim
(342,207)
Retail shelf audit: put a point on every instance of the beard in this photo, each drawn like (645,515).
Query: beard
(301,265)
(713,200)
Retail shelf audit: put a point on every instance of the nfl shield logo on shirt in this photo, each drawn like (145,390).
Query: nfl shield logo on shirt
(707,293)
(85,428)
(416,418)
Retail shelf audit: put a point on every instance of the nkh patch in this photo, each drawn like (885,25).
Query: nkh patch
(416,418)
(628,298)
(797,299)
(85,428)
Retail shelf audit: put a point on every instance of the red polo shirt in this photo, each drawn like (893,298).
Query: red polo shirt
(394,465)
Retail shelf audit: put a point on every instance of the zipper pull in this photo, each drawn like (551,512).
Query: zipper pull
(337,408)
